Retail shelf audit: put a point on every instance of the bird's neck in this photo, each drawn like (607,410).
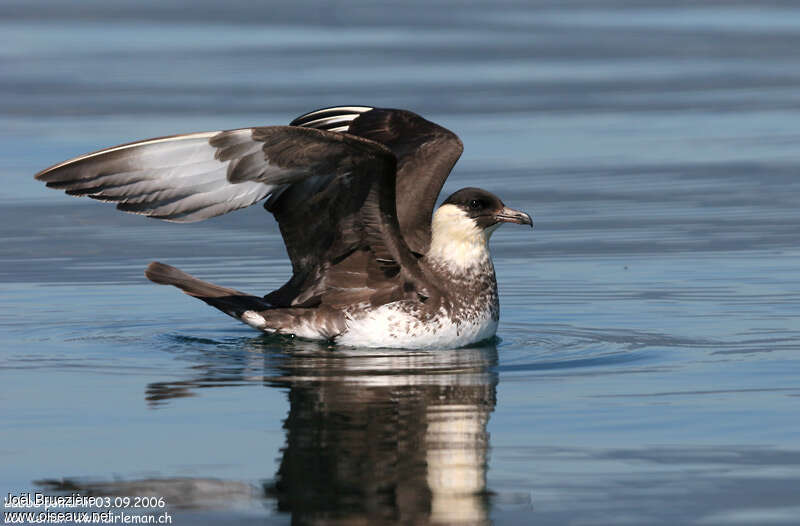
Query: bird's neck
(457,243)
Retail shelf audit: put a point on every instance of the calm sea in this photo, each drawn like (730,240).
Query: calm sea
(647,366)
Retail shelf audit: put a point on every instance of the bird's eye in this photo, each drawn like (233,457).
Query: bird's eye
(475,204)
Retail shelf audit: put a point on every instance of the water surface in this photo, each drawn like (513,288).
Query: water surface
(647,361)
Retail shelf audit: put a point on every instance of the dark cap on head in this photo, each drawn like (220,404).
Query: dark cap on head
(485,208)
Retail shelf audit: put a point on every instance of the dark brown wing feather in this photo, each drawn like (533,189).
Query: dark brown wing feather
(426,153)
(341,229)
(332,194)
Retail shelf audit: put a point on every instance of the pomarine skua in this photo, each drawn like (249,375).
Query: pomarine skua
(353,189)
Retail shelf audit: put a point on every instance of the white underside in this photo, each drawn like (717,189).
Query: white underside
(254,319)
(302,329)
(392,326)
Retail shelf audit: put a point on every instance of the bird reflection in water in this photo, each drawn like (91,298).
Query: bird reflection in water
(394,436)
(371,436)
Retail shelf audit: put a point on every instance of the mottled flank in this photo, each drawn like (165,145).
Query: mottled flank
(469,314)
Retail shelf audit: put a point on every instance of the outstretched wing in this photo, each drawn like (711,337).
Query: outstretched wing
(426,152)
(333,194)
(181,178)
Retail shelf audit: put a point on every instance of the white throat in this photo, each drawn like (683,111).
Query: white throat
(457,242)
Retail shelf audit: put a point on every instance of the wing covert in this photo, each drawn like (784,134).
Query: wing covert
(333,194)
(426,153)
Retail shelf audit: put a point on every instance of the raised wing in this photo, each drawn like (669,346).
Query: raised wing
(333,194)
(179,178)
(426,153)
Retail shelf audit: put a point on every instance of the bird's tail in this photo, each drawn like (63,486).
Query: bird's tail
(230,301)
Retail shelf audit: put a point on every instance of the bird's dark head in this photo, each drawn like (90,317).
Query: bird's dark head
(485,208)
(462,226)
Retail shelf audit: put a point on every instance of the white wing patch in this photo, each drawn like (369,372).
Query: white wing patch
(335,119)
(179,178)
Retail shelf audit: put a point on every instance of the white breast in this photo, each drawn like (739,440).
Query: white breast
(397,325)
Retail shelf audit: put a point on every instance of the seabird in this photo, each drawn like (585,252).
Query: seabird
(353,189)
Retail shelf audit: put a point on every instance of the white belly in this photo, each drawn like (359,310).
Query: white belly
(392,325)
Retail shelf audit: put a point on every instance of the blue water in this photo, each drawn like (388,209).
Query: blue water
(647,365)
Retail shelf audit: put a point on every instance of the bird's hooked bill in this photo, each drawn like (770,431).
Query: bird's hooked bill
(509,215)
